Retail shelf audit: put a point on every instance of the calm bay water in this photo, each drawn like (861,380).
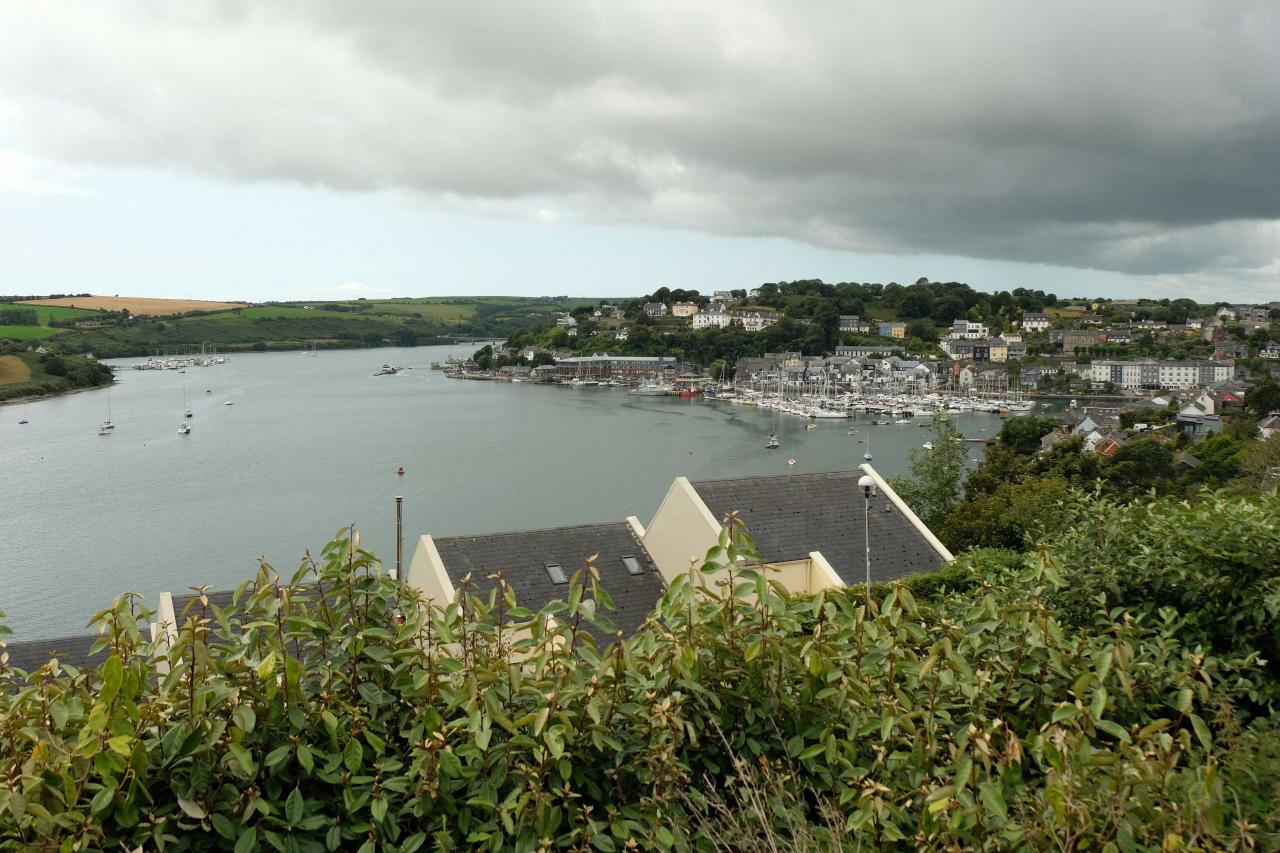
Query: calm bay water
(313,444)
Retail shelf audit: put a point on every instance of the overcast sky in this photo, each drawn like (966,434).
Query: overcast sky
(289,149)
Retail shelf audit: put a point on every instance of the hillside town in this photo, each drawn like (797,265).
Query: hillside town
(1116,368)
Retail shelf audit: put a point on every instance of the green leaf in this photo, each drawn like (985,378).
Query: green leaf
(242,757)
(993,799)
(122,744)
(1114,729)
(305,758)
(248,840)
(1202,732)
(267,666)
(378,808)
(112,673)
(352,755)
(295,807)
(1063,712)
(103,799)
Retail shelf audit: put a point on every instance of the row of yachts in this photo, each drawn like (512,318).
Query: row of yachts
(899,408)
(180,363)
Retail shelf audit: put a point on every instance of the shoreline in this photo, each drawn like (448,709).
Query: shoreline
(17,401)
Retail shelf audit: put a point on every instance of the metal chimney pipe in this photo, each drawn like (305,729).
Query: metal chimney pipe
(399,535)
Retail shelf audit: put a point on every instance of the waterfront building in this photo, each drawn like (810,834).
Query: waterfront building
(968,330)
(605,366)
(855,324)
(756,321)
(893,330)
(808,528)
(1151,373)
(1074,339)
(538,566)
(716,318)
(1035,322)
(864,350)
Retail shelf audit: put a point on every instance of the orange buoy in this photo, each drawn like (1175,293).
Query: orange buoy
(400,471)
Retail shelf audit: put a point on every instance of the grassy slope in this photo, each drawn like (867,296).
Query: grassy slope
(291,325)
(37,383)
(26,333)
(13,370)
(45,314)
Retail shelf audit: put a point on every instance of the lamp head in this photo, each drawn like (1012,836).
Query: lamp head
(868,486)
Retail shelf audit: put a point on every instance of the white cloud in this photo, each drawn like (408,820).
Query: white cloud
(1138,138)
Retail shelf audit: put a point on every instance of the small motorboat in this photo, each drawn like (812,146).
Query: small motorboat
(207,391)
(791,461)
(183,429)
(229,403)
(810,426)
(20,423)
(772,444)
(400,471)
(852,431)
(928,445)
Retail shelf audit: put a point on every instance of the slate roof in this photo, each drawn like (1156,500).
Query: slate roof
(522,557)
(788,516)
(30,655)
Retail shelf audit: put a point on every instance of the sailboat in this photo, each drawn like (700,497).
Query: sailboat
(773,442)
(185,405)
(107,426)
(312,351)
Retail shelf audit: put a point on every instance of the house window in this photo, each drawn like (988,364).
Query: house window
(632,564)
(557,574)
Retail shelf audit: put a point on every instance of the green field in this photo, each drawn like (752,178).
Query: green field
(51,312)
(27,333)
(273,312)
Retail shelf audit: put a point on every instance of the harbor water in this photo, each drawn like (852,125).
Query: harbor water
(312,444)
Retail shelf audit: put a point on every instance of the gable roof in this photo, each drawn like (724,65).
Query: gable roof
(522,557)
(30,655)
(788,516)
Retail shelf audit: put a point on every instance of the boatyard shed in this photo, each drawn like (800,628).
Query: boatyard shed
(538,565)
(809,528)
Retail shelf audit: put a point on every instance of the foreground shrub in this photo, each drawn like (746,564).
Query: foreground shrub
(1215,561)
(331,712)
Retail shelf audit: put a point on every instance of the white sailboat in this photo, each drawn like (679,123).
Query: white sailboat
(107,426)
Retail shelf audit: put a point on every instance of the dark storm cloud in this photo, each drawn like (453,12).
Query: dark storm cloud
(1141,137)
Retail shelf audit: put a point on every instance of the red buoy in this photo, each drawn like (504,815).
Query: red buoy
(400,471)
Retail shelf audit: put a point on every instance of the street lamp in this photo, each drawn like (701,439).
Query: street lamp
(868,486)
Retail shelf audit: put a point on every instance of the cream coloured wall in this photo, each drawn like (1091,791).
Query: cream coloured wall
(682,531)
(427,574)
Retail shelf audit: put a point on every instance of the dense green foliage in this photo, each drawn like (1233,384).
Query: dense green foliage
(936,472)
(746,718)
(1214,561)
(19,317)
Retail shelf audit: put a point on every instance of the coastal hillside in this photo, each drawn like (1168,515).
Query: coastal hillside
(112,327)
(34,374)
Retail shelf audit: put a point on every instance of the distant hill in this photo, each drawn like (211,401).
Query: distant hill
(154,326)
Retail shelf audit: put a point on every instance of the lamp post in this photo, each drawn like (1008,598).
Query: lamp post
(868,486)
